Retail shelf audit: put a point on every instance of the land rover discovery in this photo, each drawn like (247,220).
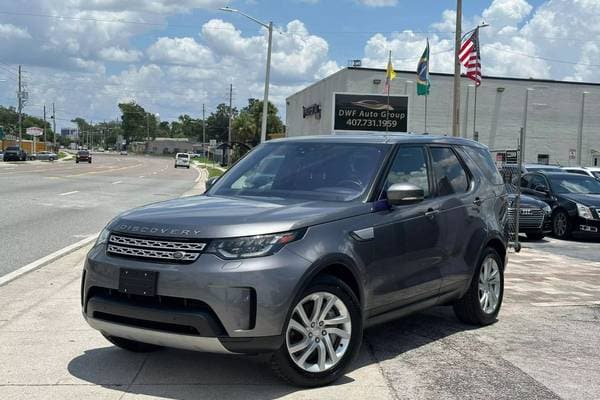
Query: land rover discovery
(300,246)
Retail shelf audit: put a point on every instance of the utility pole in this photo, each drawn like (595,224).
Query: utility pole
(263,129)
(45,142)
(54,125)
(456,99)
(203,134)
(20,108)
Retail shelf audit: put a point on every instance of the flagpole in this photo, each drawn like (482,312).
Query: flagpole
(475,113)
(425,131)
(387,115)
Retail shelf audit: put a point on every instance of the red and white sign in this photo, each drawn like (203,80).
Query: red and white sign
(34,131)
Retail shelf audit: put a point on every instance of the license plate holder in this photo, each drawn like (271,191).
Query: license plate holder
(140,282)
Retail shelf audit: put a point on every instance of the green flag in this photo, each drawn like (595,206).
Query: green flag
(423,83)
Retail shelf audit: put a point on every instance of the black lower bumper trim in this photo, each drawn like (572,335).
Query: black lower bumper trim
(256,345)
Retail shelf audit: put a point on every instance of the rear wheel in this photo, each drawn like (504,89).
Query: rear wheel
(481,304)
(131,345)
(323,335)
(561,225)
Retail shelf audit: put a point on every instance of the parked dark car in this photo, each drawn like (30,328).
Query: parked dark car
(297,255)
(14,153)
(83,156)
(574,199)
(535,216)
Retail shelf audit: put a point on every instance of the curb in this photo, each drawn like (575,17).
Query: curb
(46,260)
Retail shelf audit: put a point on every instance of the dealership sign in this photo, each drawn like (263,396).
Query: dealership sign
(367,112)
(34,131)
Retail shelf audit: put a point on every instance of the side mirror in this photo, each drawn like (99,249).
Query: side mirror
(404,193)
(210,182)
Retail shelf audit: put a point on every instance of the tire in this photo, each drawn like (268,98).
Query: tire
(536,236)
(345,308)
(132,345)
(175,165)
(188,167)
(469,308)
(76,161)
(561,225)
(89,162)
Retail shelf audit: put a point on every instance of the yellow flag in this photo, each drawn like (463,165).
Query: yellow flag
(391,74)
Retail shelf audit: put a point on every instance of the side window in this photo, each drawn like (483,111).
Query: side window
(525,181)
(483,159)
(449,173)
(409,166)
(537,180)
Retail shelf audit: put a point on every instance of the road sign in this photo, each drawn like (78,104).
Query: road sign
(34,131)
(572,153)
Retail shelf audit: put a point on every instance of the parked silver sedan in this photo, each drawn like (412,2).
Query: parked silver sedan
(44,156)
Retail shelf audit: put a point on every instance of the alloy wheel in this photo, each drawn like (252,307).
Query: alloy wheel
(560,224)
(489,285)
(319,331)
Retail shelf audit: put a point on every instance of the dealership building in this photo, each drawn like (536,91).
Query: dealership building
(557,112)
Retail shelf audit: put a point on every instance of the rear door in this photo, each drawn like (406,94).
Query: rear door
(460,215)
(408,239)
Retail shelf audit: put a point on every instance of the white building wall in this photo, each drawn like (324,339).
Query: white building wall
(553,113)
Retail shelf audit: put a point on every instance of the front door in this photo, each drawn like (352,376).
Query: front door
(406,268)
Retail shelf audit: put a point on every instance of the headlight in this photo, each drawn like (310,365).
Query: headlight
(252,246)
(102,237)
(584,212)
(547,209)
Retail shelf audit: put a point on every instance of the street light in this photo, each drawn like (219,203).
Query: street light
(269,26)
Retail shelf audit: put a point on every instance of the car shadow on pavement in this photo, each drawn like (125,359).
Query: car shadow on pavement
(182,375)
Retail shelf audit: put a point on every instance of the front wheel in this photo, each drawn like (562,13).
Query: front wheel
(131,345)
(481,304)
(536,236)
(561,225)
(323,335)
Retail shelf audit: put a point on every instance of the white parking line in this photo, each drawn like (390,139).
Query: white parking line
(142,176)
(68,193)
(117,182)
(45,260)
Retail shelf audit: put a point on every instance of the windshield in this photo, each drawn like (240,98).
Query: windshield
(305,170)
(182,156)
(575,184)
(596,174)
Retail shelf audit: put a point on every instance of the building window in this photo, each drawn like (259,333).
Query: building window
(543,159)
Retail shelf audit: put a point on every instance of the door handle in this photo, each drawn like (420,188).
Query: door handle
(477,201)
(431,213)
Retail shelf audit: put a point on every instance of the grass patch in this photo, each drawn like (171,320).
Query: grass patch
(62,154)
(213,172)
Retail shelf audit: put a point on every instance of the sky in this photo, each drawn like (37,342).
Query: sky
(173,56)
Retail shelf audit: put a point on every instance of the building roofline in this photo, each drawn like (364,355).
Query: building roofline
(316,83)
(505,78)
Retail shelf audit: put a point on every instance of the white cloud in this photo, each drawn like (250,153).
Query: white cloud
(118,54)
(185,51)
(10,31)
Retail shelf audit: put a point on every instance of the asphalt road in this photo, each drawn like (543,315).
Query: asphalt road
(46,206)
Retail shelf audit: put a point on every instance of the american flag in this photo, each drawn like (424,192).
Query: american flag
(470,57)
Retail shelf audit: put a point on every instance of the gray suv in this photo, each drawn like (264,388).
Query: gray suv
(300,246)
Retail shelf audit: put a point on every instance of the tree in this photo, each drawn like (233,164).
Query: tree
(217,123)
(253,112)
(134,121)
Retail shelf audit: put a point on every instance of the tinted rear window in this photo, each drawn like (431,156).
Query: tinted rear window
(449,172)
(483,159)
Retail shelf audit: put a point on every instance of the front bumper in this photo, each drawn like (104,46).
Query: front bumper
(210,305)
(586,227)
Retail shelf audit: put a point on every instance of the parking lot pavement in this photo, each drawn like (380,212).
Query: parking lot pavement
(544,346)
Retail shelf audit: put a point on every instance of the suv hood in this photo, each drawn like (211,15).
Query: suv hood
(225,217)
(589,200)
(526,201)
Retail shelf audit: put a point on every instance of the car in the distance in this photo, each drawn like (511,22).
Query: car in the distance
(535,216)
(44,156)
(574,199)
(14,153)
(182,160)
(350,231)
(123,152)
(594,172)
(83,156)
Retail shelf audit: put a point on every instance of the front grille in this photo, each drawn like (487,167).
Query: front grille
(528,217)
(160,250)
